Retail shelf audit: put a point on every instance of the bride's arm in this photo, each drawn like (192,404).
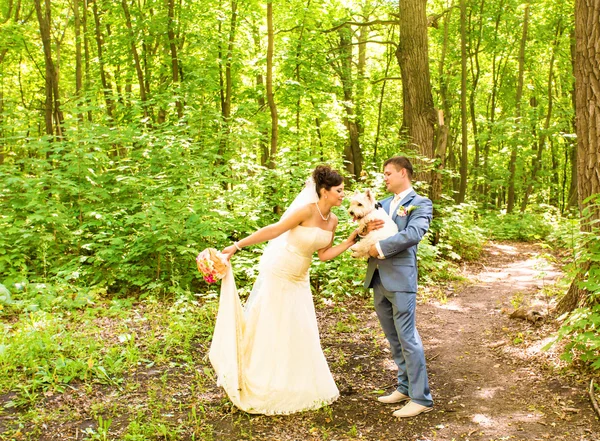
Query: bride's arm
(270,231)
(331,252)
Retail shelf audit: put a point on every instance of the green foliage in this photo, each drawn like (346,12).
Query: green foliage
(457,233)
(581,327)
(582,333)
(525,227)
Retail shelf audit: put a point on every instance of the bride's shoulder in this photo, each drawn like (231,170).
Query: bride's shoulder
(304,211)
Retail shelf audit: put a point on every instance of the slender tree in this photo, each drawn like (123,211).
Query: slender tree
(174,57)
(225,79)
(78,66)
(464,156)
(537,161)
(104,76)
(136,58)
(52,107)
(513,154)
(269,85)
(352,150)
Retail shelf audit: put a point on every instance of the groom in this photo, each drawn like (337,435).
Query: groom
(392,273)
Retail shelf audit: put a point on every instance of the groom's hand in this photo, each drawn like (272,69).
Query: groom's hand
(373,251)
(375,224)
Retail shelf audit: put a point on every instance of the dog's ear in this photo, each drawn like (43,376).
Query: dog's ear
(369,195)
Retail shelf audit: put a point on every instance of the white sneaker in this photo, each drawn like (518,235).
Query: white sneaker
(394,397)
(411,409)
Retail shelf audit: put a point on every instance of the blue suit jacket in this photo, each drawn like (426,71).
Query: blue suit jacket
(398,271)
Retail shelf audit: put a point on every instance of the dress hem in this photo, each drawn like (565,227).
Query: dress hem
(318,405)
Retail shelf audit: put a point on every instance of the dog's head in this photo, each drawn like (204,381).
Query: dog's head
(361,204)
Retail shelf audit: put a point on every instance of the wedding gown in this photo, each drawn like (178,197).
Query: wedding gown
(268,356)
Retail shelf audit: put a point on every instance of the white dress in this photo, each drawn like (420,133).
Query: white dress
(268,356)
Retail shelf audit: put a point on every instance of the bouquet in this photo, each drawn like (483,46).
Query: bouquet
(212,265)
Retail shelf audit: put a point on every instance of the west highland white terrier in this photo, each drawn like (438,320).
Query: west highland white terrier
(363,208)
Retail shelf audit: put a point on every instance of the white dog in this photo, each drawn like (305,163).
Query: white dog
(363,209)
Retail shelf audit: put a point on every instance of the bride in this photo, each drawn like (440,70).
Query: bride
(268,356)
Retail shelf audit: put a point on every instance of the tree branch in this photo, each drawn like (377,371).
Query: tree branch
(366,23)
(385,79)
(393,43)
(593,398)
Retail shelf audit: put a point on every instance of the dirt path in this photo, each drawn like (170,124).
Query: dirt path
(488,375)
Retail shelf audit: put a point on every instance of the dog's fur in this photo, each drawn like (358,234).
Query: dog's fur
(362,209)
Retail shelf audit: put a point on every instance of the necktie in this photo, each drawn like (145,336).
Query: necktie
(394,203)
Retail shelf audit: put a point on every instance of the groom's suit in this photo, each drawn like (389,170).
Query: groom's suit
(394,282)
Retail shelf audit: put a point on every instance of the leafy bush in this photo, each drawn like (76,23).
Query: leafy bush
(581,331)
(456,232)
(581,327)
(76,213)
(525,227)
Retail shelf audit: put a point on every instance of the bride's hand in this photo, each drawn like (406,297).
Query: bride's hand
(229,251)
(354,235)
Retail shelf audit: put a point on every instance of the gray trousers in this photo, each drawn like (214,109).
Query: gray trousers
(396,312)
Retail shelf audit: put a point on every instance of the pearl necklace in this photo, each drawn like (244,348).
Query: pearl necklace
(321,214)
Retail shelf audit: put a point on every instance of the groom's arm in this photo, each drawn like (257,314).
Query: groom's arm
(411,235)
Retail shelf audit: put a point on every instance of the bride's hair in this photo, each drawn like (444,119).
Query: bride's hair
(325,177)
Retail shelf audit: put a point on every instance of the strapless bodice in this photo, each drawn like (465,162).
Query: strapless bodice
(304,241)
(293,259)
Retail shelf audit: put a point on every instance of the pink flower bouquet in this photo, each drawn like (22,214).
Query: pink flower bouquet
(211,265)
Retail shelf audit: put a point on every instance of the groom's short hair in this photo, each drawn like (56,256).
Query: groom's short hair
(400,162)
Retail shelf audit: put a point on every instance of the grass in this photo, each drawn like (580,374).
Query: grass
(64,362)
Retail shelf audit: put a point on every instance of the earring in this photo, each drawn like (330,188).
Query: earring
(325,196)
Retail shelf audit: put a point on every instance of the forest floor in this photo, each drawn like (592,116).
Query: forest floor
(489,376)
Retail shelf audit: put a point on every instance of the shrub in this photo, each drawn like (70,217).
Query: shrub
(457,235)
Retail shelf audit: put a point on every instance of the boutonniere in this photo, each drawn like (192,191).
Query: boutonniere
(403,211)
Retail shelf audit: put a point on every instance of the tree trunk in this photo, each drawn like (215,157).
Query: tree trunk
(78,67)
(388,61)
(297,76)
(492,108)
(86,53)
(260,101)
(174,58)
(352,151)
(513,154)
(136,58)
(106,87)
(537,162)
(587,111)
(572,199)
(226,83)
(269,85)
(419,115)
(475,73)
(441,143)
(464,156)
(52,105)
(363,34)
(444,119)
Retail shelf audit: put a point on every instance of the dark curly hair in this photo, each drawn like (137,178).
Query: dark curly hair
(326,177)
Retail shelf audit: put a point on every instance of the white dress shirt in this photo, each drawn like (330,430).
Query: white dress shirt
(394,204)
